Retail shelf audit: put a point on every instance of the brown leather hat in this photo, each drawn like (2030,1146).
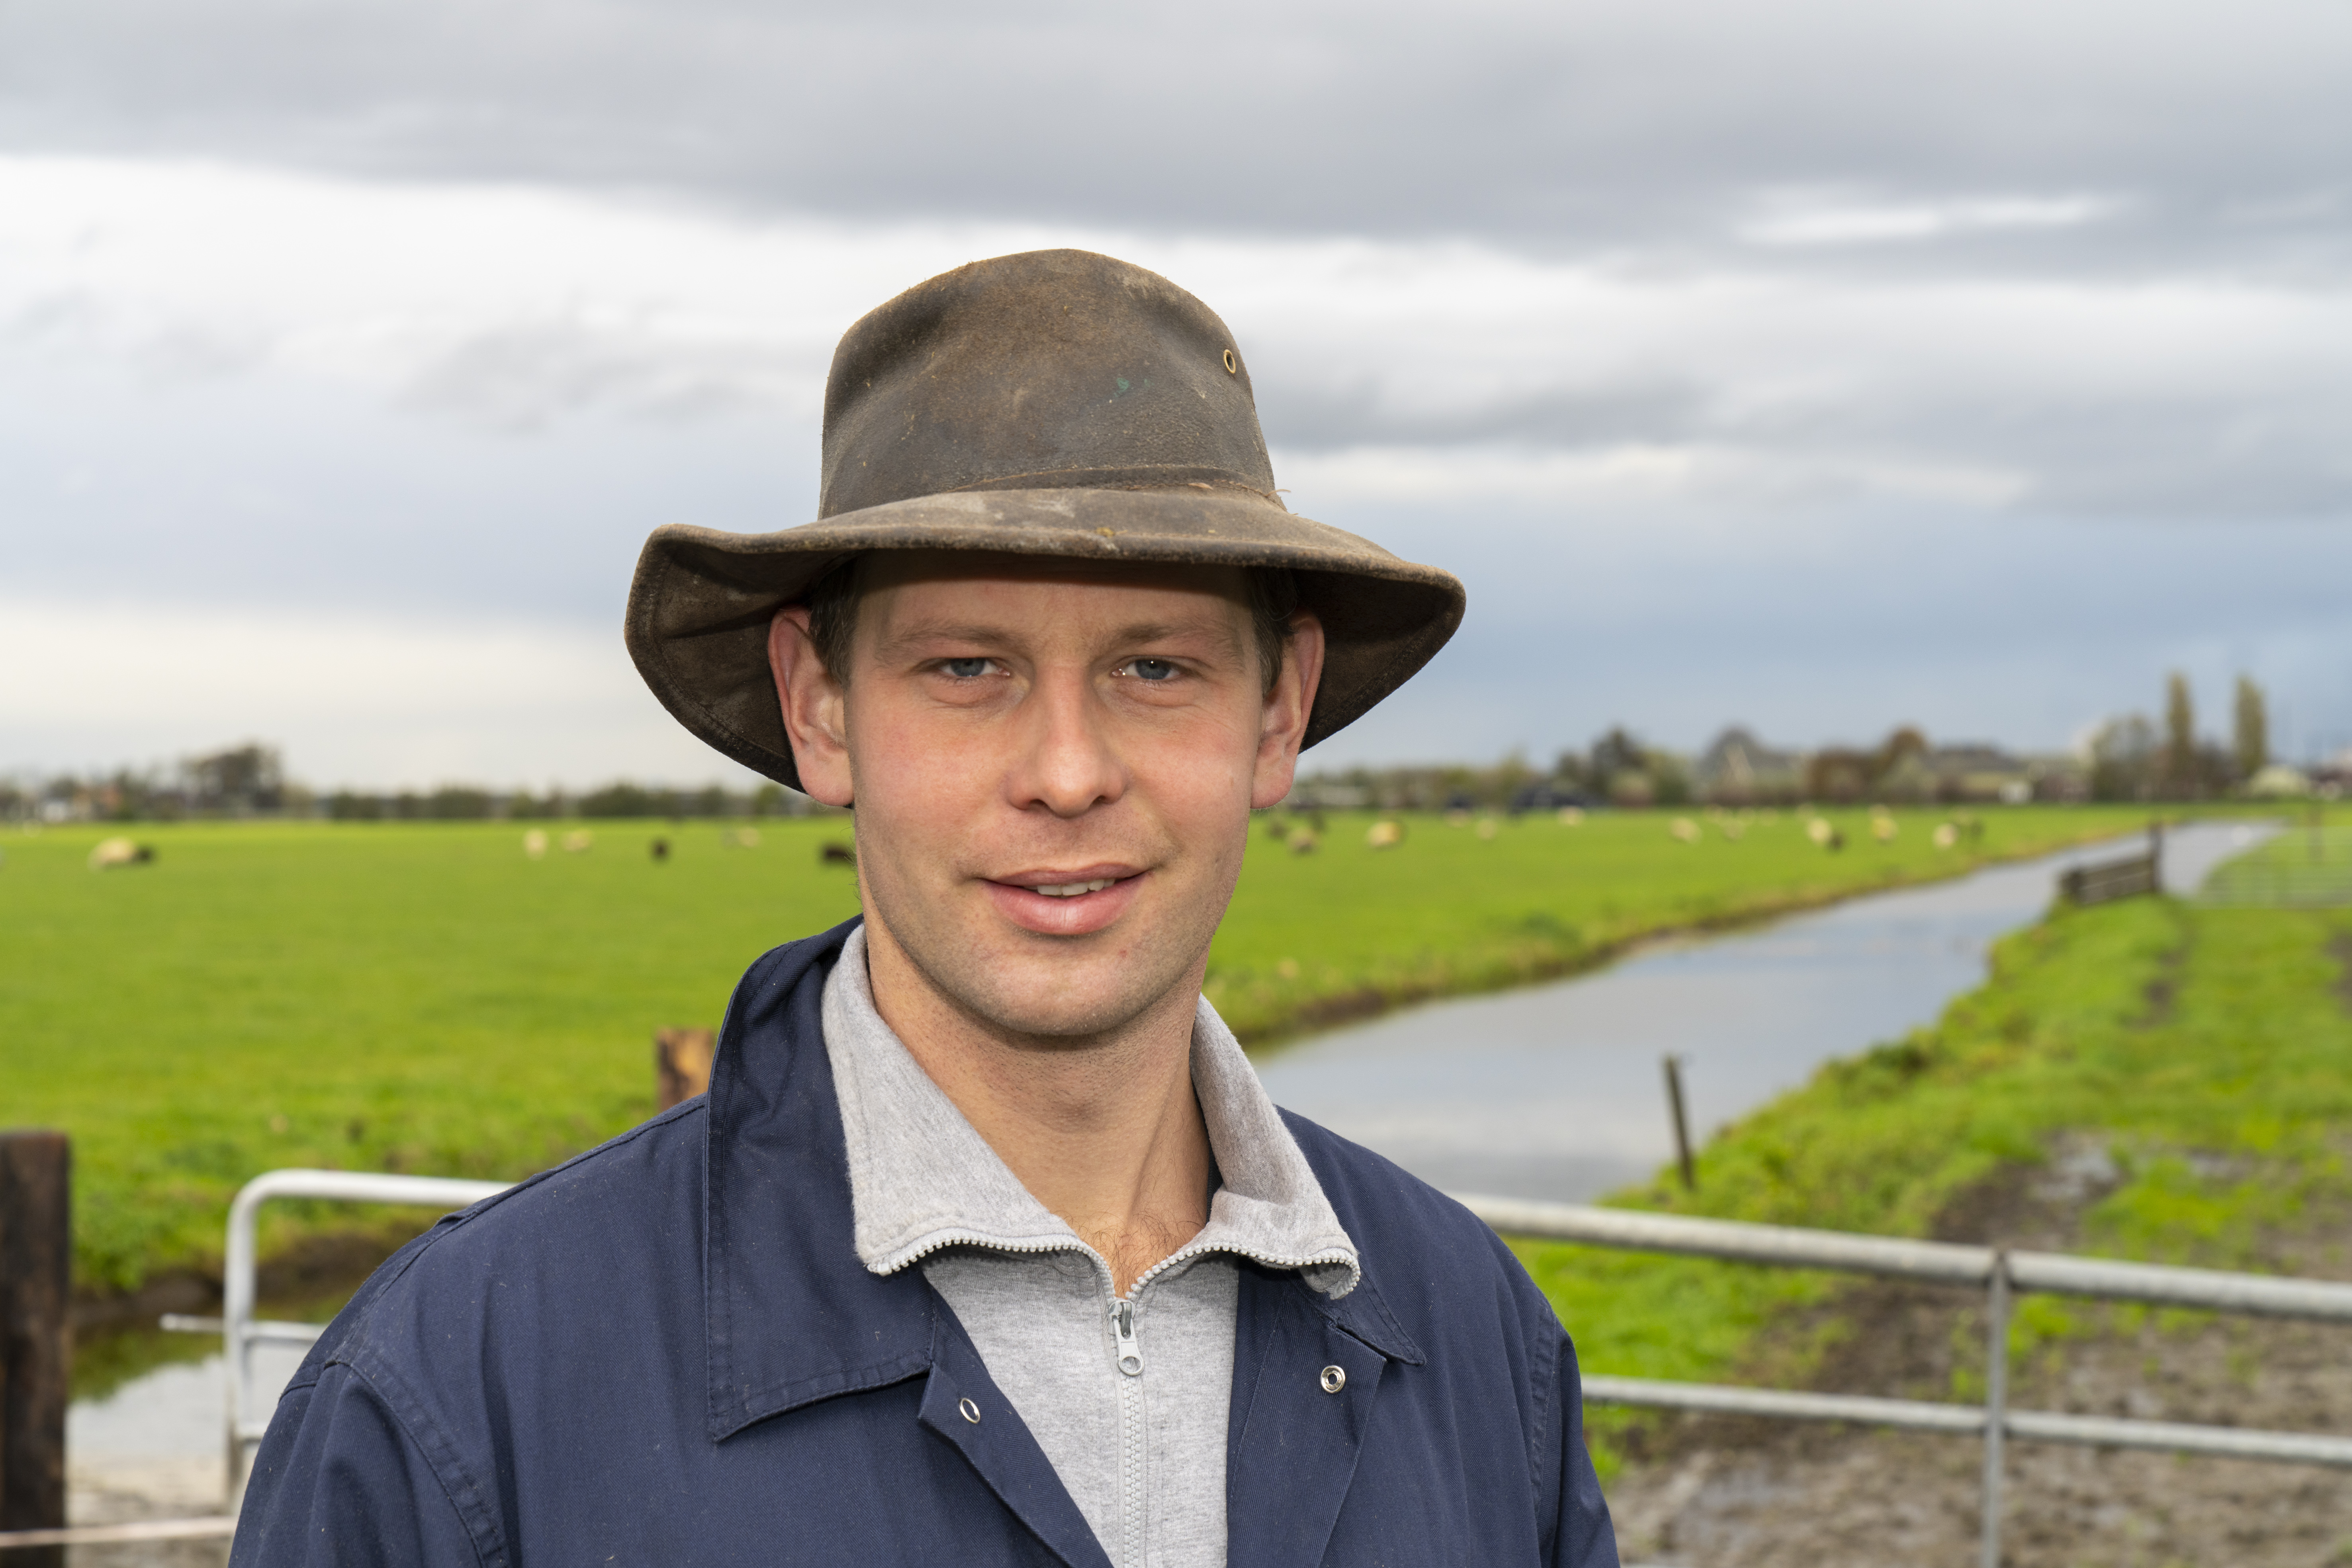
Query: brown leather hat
(1055,402)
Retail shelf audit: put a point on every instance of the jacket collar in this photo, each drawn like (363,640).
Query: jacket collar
(921,1179)
(790,1315)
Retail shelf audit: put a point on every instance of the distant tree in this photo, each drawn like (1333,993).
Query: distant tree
(2252,750)
(1670,778)
(1900,771)
(241,780)
(2124,759)
(2180,736)
(1508,780)
(1903,741)
(347,806)
(624,799)
(457,802)
(1616,754)
(1839,774)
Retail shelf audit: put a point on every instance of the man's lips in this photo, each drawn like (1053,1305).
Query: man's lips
(1065,900)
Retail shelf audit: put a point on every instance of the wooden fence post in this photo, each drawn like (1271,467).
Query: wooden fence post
(36,1335)
(681,1065)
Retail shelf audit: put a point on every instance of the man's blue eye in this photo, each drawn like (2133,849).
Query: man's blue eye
(967,669)
(1154,669)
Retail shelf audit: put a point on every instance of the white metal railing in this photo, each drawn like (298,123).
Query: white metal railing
(240,1331)
(1995,1271)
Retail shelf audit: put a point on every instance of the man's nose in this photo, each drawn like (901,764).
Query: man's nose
(1070,764)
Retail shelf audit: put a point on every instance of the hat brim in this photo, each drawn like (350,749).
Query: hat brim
(702,599)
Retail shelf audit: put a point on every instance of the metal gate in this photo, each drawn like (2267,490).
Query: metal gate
(1996,1271)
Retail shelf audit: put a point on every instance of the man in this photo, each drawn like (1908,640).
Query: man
(985,1246)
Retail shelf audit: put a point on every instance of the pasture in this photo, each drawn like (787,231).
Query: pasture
(426,997)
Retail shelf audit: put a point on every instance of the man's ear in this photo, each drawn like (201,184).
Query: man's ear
(1281,722)
(815,708)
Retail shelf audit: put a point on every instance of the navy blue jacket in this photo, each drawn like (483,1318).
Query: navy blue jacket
(666,1351)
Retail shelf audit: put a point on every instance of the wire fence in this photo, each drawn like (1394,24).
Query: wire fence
(2307,867)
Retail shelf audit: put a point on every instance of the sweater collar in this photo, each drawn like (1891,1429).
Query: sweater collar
(921,1178)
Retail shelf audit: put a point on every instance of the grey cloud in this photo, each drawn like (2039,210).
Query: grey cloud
(529,375)
(1303,416)
(2215,130)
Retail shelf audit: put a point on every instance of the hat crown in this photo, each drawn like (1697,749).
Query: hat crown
(1047,370)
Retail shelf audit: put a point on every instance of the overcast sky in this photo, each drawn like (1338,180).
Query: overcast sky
(1823,366)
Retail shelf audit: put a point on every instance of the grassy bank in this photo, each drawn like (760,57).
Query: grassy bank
(2207,1052)
(425,998)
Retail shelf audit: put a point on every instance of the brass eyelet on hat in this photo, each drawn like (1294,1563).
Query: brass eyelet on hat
(1232,365)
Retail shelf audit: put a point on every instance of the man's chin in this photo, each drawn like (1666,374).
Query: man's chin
(1074,1026)
(1050,1004)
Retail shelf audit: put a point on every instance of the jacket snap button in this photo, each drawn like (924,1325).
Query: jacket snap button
(972,1411)
(1335,1378)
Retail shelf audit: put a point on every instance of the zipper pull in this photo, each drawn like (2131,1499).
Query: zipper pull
(1128,1353)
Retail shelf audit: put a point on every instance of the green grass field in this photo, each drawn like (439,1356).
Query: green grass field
(425,998)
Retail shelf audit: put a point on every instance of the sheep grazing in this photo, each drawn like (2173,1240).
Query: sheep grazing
(1304,842)
(1277,829)
(1571,816)
(1820,831)
(660,850)
(1882,827)
(1488,828)
(110,853)
(1947,835)
(836,854)
(1386,834)
(740,838)
(534,845)
(577,841)
(1684,828)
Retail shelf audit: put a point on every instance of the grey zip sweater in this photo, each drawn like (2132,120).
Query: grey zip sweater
(1128,1396)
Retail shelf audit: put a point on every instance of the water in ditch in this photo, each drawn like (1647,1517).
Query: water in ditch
(1557,1090)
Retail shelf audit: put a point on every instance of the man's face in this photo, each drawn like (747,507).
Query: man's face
(1052,765)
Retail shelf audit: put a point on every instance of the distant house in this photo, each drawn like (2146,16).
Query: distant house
(1976,772)
(1987,774)
(1739,769)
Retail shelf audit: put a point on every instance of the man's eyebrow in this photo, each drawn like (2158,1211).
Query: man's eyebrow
(903,641)
(942,631)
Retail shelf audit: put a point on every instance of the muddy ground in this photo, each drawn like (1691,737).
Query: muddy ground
(1712,1492)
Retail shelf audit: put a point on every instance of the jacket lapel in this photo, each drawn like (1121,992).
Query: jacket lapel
(1291,1446)
(790,1315)
(1001,1448)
